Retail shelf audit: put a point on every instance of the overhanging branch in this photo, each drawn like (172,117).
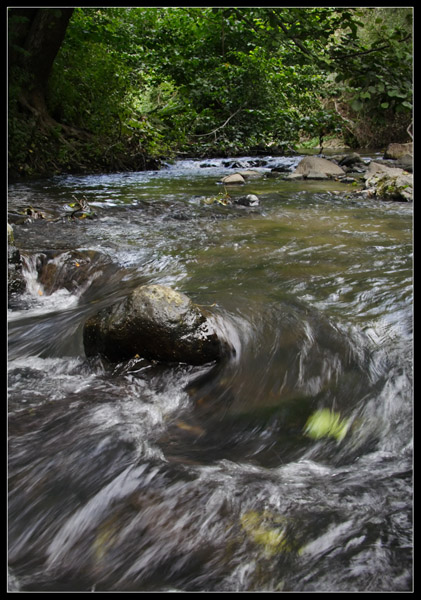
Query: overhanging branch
(221,126)
(358,53)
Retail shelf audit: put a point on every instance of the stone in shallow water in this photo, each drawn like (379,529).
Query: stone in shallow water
(157,323)
(236,178)
(314,167)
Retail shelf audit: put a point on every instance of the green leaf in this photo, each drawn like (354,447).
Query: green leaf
(326,423)
(395,93)
(356,105)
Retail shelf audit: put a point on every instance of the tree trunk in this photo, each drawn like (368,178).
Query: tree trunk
(39,33)
(35,37)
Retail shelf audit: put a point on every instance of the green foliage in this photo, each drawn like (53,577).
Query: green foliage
(184,79)
(91,75)
(202,81)
(374,75)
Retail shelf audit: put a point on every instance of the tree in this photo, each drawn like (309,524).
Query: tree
(35,37)
(373,81)
(105,88)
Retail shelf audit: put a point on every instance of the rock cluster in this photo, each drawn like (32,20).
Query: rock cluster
(388,183)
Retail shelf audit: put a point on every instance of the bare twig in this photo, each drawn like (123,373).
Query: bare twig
(220,127)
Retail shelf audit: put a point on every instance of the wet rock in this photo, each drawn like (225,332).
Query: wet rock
(401,154)
(10,235)
(157,323)
(68,270)
(15,280)
(314,167)
(234,179)
(281,169)
(234,164)
(248,200)
(349,160)
(258,162)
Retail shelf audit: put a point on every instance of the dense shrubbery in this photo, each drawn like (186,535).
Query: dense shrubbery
(133,83)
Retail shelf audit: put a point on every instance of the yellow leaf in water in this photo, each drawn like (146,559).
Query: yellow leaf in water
(191,428)
(266,531)
(326,423)
(40,293)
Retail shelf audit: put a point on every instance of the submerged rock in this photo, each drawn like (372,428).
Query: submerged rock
(248,200)
(157,323)
(70,270)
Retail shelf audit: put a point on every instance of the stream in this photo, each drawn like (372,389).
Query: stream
(285,468)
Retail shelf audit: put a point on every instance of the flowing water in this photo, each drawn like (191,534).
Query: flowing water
(286,468)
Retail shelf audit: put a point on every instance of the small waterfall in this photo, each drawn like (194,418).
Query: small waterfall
(30,272)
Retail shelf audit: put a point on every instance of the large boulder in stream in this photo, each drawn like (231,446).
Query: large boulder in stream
(315,167)
(156,323)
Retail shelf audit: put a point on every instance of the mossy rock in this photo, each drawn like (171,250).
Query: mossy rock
(156,323)
(391,187)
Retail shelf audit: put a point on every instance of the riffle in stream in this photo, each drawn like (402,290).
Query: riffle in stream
(287,468)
